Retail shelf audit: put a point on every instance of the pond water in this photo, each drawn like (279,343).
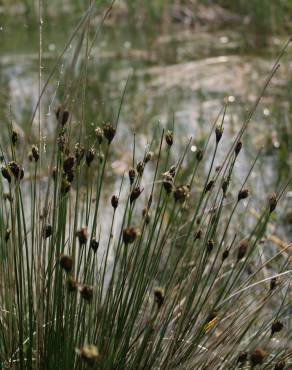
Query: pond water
(182,73)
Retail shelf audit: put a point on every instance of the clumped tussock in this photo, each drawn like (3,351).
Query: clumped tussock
(176,280)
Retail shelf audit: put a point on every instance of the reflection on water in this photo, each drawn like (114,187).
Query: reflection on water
(184,74)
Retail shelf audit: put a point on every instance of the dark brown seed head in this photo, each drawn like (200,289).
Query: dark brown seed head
(181,193)
(272,202)
(68,164)
(257,356)
(210,245)
(199,234)
(280,365)
(109,132)
(242,249)
(35,153)
(115,202)
(237,148)
(148,157)
(48,231)
(54,173)
(273,283)
(62,115)
(99,134)
(14,137)
(6,173)
(79,152)
(130,234)
(132,175)
(218,133)
(82,236)
(66,263)
(199,155)
(16,170)
(90,154)
(276,327)
(225,185)
(94,244)
(169,138)
(136,192)
(242,358)
(225,254)
(146,215)
(159,296)
(140,168)
(209,186)
(7,235)
(70,176)
(242,194)
(65,186)
(168,183)
(72,285)
(86,293)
